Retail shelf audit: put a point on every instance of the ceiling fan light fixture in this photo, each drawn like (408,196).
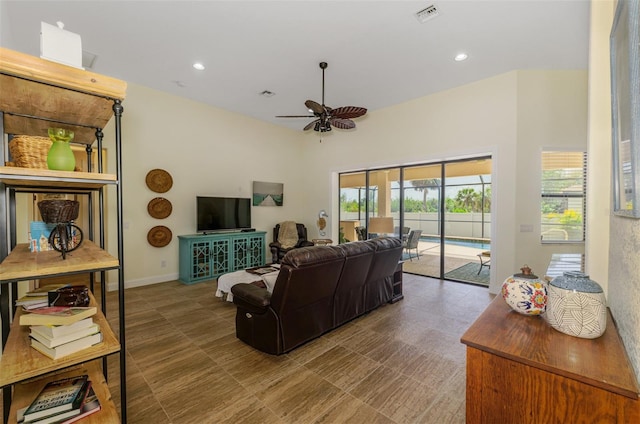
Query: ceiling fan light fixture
(325,116)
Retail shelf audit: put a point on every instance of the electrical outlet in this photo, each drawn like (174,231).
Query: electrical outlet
(163,263)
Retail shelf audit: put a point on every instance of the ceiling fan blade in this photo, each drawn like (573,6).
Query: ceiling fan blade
(314,106)
(295,116)
(348,112)
(343,124)
(310,125)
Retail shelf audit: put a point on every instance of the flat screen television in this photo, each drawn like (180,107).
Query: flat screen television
(222,213)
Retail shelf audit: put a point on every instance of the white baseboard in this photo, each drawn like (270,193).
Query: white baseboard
(144,281)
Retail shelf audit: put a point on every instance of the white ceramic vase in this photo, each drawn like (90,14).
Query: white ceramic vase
(577,306)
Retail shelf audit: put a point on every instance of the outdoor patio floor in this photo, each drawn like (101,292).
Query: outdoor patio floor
(428,263)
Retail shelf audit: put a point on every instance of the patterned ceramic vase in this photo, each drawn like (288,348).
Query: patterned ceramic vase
(525,293)
(577,306)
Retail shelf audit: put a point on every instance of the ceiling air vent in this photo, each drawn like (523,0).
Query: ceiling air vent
(88,59)
(427,13)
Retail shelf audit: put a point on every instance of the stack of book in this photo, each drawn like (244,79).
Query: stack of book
(38,298)
(62,402)
(58,331)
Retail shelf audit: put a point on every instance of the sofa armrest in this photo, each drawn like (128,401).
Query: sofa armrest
(251,297)
(305,243)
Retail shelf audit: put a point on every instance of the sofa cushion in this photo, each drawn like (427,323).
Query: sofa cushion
(306,256)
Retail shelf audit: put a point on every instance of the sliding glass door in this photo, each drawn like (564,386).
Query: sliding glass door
(467,220)
(422,219)
(441,211)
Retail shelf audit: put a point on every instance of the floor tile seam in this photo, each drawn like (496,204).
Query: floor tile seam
(150,387)
(374,407)
(299,361)
(249,385)
(346,394)
(285,420)
(331,404)
(345,390)
(432,405)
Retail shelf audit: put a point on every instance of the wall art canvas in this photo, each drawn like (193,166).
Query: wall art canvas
(267,194)
(625,108)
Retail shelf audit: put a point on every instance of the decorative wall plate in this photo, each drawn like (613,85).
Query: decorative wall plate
(159,236)
(159,180)
(159,208)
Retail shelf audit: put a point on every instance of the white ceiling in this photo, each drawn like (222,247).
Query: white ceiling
(378,53)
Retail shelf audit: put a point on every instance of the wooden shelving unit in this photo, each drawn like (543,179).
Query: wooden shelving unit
(20,362)
(23,394)
(36,94)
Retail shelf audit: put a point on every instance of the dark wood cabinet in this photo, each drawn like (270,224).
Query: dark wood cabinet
(520,370)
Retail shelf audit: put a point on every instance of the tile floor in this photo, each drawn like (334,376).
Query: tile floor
(402,363)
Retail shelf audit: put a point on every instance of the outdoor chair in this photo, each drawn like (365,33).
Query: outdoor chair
(405,232)
(412,243)
(485,260)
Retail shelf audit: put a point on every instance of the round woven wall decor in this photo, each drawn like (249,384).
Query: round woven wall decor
(159,236)
(159,208)
(159,180)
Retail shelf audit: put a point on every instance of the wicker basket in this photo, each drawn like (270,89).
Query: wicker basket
(54,211)
(29,151)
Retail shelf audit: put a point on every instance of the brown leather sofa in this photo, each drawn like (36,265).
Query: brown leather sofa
(318,289)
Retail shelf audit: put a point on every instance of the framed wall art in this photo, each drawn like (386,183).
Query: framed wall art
(625,108)
(267,194)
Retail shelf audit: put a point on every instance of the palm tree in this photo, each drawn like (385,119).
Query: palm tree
(468,199)
(424,186)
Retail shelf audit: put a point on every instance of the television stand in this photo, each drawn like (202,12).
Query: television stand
(204,257)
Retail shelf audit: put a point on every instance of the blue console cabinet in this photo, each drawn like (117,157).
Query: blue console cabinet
(206,256)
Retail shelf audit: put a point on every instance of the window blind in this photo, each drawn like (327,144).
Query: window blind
(564,188)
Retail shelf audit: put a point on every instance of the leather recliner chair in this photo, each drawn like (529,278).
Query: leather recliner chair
(277,252)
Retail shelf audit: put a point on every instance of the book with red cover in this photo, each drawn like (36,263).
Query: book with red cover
(56,315)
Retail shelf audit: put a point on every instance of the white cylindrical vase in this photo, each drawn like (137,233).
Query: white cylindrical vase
(576,306)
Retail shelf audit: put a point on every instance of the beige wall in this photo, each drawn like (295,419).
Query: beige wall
(623,237)
(207,151)
(511,117)
(552,115)
(211,151)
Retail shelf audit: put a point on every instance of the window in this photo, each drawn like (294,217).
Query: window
(564,189)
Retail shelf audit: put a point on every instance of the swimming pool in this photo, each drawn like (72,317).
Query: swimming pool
(477,244)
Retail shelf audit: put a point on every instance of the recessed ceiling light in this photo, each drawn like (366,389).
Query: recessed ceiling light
(267,93)
(199,66)
(461,56)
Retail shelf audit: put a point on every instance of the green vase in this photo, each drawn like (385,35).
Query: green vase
(60,156)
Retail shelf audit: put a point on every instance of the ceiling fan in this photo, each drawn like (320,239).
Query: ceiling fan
(326,117)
